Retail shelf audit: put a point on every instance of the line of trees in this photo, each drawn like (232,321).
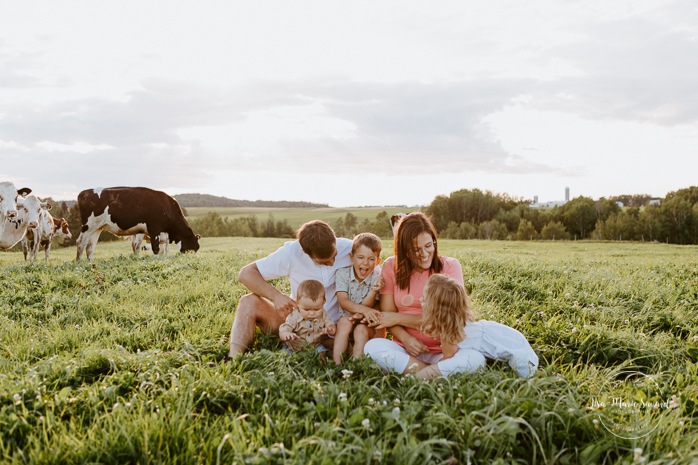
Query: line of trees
(474,214)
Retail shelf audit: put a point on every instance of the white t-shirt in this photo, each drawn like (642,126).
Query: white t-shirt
(290,261)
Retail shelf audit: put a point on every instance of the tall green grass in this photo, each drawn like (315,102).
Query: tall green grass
(122,361)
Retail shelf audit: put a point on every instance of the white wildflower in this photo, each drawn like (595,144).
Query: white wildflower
(637,456)
(342,396)
(366,423)
(674,402)
(346,374)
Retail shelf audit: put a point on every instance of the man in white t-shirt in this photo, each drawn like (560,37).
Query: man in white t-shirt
(316,254)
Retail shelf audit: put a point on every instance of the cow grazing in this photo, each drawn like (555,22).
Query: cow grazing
(27,218)
(48,228)
(126,211)
(8,201)
(138,239)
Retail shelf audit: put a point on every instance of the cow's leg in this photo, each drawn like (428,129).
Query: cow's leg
(92,244)
(136,243)
(35,246)
(47,249)
(164,243)
(81,243)
(25,247)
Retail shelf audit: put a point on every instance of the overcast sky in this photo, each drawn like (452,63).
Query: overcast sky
(350,103)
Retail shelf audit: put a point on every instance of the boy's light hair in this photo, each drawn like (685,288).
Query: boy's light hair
(370,240)
(445,309)
(311,289)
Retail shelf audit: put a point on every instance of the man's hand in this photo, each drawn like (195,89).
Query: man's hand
(284,304)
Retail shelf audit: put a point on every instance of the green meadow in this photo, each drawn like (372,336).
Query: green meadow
(122,361)
(297,216)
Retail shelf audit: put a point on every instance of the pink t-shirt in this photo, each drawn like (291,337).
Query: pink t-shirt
(408,301)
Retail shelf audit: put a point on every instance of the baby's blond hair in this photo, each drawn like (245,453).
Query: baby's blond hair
(445,309)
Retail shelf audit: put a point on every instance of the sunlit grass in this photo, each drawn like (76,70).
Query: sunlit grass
(121,361)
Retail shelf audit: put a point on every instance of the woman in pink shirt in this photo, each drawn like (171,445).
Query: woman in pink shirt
(405,274)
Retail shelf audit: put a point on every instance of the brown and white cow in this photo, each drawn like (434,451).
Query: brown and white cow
(8,201)
(27,217)
(48,228)
(126,211)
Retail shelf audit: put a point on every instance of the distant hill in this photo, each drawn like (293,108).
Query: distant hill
(205,200)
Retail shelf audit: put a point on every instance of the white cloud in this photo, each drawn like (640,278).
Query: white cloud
(510,97)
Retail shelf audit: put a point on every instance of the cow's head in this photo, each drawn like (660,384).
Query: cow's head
(395,220)
(29,208)
(62,229)
(190,243)
(8,199)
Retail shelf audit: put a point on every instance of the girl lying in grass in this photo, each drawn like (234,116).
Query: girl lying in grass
(446,314)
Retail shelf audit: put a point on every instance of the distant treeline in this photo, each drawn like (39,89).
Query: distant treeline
(474,214)
(205,200)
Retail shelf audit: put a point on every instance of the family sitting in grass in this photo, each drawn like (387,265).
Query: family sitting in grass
(418,296)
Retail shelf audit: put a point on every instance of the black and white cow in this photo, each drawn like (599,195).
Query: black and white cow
(126,211)
(395,220)
(8,201)
(15,228)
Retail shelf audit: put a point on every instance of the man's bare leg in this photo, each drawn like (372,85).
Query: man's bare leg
(253,311)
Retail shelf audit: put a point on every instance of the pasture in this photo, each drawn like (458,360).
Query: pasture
(121,361)
(297,216)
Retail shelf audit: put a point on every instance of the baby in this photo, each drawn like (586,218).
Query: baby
(446,314)
(309,324)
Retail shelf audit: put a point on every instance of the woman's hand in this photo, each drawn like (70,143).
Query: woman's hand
(449,350)
(413,346)
(387,319)
(372,317)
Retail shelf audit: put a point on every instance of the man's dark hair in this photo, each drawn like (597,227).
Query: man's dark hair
(317,239)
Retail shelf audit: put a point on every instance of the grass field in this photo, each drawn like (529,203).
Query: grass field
(297,216)
(121,361)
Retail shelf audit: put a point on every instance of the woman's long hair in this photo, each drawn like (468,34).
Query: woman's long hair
(408,229)
(445,309)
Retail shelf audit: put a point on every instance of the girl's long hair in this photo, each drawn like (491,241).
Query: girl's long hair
(408,229)
(445,309)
